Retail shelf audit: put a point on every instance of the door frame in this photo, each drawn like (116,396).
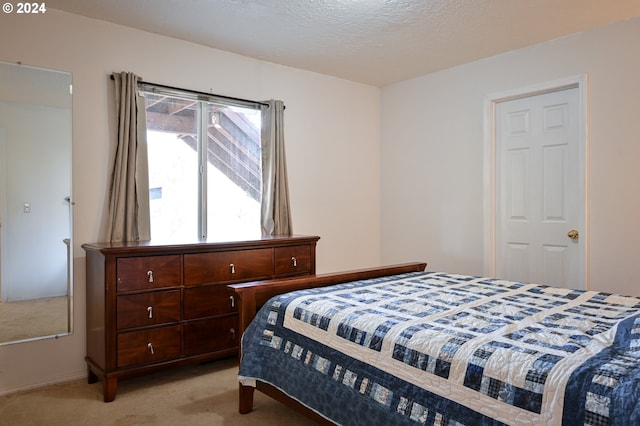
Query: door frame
(490,163)
(3,213)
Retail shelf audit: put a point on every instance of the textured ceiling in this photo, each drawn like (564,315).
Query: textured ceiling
(376,42)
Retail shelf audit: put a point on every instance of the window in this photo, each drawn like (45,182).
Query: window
(204,167)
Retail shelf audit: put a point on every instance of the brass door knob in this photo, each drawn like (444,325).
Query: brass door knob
(573,234)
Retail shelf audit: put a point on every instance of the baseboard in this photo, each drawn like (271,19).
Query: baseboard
(76,375)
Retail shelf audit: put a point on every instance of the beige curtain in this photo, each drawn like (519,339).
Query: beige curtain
(128,218)
(276,213)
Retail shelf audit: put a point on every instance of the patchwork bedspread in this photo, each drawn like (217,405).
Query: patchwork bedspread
(442,349)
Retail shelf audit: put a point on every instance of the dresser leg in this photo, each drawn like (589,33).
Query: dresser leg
(109,388)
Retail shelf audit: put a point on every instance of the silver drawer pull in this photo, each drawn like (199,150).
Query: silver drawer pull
(294,262)
(150,310)
(232,332)
(232,268)
(150,275)
(150,346)
(233,301)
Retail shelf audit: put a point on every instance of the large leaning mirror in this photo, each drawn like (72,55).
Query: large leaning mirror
(35,203)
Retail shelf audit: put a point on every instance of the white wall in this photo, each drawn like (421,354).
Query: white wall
(332,136)
(432,154)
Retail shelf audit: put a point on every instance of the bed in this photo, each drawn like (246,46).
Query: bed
(401,346)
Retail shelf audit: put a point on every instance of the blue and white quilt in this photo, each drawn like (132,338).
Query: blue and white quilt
(442,349)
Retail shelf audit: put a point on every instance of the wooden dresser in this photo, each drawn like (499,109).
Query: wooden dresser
(152,306)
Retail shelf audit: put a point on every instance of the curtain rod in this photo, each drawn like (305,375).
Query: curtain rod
(195,92)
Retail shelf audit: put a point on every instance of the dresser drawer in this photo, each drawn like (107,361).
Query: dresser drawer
(158,307)
(206,301)
(292,260)
(152,345)
(148,272)
(211,335)
(237,265)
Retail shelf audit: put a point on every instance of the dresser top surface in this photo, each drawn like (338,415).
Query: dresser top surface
(155,246)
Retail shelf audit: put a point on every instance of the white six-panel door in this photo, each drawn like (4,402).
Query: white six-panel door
(538,189)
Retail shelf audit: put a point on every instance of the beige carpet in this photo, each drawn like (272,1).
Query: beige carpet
(197,395)
(33,318)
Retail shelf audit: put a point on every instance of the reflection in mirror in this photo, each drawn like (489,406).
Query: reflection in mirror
(35,203)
